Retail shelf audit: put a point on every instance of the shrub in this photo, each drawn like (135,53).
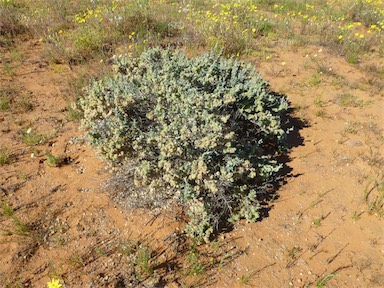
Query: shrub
(203,131)
(10,24)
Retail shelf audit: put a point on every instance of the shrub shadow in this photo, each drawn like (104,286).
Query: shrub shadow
(293,139)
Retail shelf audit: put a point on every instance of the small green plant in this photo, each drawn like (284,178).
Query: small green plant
(127,247)
(4,156)
(353,127)
(207,135)
(9,70)
(21,228)
(53,161)
(245,279)
(88,41)
(72,113)
(315,79)
(7,94)
(31,138)
(76,260)
(374,197)
(321,113)
(319,102)
(352,57)
(140,255)
(24,103)
(6,209)
(349,100)
(322,282)
(18,227)
(4,102)
(356,215)
(317,221)
(195,265)
(292,255)
(143,260)
(325,70)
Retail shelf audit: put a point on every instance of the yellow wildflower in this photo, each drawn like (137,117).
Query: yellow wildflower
(54,283)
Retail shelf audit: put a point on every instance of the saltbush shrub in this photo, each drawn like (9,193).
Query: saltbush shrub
(202,132)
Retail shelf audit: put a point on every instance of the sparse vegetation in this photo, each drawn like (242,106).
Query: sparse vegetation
(319,102)
(4,102)
(10,20)
(324,280)
(246,278)
(317,221)
(321,113)
(7,94)
(143,260)
(4,156)
(18,227)
(30,137)
(315,79)
(79,33)
(6,209)
(72,113)
(24,102)
(53,161)
(374,197)
(356,215)
(292,255)
(196,267)
(348,100)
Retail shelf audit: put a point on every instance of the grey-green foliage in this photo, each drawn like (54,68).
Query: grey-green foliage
(203,131)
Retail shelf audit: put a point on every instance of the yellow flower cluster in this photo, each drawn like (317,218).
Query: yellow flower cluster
(228,15)
(308,13)
(54,283)
(6,2)
(377,8)
(83,17)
